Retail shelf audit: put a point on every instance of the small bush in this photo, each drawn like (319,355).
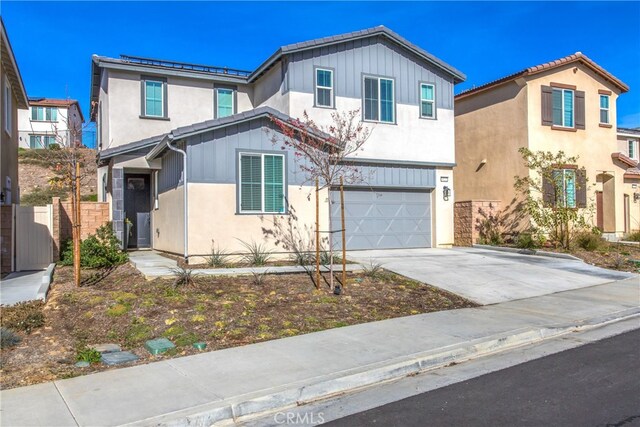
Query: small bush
(219,258)
(8,338)
(257,253)
(325,258)
(89,198)
(303,258)
(87,354)
(100,250)
(183,276)
(588,241)
(373,270)
(24,316)
(528,240)
(633,237)
(259,278)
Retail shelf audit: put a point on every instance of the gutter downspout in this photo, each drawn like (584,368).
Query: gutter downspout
(186,197)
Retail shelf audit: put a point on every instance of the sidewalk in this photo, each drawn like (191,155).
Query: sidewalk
(153,265)
(25,286)
(220,385)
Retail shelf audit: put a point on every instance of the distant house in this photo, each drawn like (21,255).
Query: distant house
(565,105)
(238,181)
(13,98)
(50,121)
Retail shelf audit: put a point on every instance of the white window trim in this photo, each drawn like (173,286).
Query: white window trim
(284,182)
(573,112)
(8,115)
(44,114)
(330,88)
(634,149)
(233,106)
(162,114)
(605,109)
(393,88)
(433,101)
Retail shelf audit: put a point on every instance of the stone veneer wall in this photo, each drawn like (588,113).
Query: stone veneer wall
(467,215)
(92,216)
(6,238)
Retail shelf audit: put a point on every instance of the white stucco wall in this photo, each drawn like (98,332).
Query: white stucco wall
(66,117)
(268,91)
(167,222)
(411,139)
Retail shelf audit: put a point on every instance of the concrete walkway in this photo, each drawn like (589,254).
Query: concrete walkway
(236,382)
(489,276)
(153,265)
(25,286)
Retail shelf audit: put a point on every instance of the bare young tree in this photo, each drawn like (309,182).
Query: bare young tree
(323,153)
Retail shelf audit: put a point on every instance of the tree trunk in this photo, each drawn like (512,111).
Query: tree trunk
(330,243)
(344,236)
(317,235)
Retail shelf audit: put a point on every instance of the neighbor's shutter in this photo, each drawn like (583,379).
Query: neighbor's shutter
(579,110)
(250,182)
(581,188)
(273,184)
(547,106)
(548,191)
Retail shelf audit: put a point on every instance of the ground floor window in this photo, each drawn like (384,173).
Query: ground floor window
(565,181)
(41,141)
(261,188)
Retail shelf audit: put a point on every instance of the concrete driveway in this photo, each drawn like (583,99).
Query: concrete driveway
(487,276)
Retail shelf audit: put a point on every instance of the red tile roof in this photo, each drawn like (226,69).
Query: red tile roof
(576,57)
(53,102)
(624,159)
(632,173)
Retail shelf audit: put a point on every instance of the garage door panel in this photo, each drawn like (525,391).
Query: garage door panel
(378,219)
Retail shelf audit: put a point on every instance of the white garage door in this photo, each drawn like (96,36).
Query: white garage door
(383,219)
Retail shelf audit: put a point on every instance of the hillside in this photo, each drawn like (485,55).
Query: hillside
(37,167)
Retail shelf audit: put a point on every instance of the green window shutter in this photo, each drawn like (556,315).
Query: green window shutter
(273,184)
(250,183)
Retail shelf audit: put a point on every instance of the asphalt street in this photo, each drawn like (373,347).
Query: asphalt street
(597,384)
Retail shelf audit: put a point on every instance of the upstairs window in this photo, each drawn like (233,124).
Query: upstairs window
(427,101)
(261,187)
(633,149)
(154,98)
(8,113)
(324,88)
(379,101)
(49,114)
(225,105)
(563,107)
(604,109)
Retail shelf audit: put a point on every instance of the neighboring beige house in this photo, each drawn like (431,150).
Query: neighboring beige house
(12,98)
(164,124)
(50,121)
(565,105)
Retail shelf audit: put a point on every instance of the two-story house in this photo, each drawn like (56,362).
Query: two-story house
(13,98)
(565,105)
(186,153)
(50,121)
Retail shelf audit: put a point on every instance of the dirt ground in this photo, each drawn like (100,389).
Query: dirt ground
(224,312)
(614,256)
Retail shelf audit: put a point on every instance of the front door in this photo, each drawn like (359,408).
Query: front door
(599,211)
(137,207)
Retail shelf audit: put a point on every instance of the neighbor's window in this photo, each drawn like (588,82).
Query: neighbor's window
(8,117)
(324,87)
(224,102)
(427,101)
(262,183)
(563,107)
(565,182)
(41,141)
(633,149)
(379,102)
(604,109)
(49,114)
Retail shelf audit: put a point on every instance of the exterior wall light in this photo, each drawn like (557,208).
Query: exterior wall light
(446,193)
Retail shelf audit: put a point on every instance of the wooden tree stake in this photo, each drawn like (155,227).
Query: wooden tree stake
(317,234)
(344,235)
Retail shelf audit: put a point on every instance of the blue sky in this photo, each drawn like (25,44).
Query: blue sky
(54,41)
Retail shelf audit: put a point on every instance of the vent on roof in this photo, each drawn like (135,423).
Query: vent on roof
(185,66)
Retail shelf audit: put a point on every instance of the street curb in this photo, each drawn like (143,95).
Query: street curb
(528,252)
(295,394)
(47,278)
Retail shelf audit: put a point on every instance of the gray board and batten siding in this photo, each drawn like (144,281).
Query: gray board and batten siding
(375,56)
(212,158)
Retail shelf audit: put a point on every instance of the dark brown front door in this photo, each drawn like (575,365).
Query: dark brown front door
(599,211)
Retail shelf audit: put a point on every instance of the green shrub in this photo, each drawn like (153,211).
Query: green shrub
(42,196)
(8,338)
(325,258)
(373,270)
(24,316)
(588,241)
(183,276)
(528,240)
(633,237)
(99,250)
(89,198)
(257,253)
(219,257)
(88,354)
